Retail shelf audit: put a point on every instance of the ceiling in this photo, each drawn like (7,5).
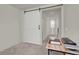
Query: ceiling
(27,6)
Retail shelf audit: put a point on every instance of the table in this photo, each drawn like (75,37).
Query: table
(59,48)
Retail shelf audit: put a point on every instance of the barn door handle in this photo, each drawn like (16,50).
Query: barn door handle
(39,27)
(57,32)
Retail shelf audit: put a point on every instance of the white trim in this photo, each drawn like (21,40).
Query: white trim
(41,26)
(62,15)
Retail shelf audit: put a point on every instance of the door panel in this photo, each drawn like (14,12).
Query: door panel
(32,31)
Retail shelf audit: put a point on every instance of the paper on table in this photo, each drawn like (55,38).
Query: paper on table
(53,42)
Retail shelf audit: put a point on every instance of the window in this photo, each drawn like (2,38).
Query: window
(52,23)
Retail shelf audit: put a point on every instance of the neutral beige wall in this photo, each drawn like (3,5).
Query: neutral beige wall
(71,22)
(10,33)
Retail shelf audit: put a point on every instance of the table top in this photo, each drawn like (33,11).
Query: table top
(56,47)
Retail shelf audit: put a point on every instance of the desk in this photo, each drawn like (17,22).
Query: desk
(55,47)
(59,48)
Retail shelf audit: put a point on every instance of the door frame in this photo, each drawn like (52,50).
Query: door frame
(62,20)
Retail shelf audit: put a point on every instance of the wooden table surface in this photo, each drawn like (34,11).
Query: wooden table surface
(59,48)
(56,47)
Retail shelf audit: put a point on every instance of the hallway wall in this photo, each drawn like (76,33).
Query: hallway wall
(71,21)
(48,16)
(10,33)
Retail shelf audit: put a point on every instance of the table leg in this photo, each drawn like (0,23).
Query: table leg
(49,51)
(64,53)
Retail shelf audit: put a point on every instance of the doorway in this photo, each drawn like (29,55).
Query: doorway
(52,23)
(35,32)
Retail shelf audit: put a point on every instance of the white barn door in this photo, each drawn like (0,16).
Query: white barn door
(32,27)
